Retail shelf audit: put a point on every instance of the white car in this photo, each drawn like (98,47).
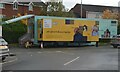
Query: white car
(4,50)
(116,41)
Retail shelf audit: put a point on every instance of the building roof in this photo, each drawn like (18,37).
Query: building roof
(34,3)
(93,8)
(40,3)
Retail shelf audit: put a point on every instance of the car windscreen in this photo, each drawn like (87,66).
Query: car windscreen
(3,42)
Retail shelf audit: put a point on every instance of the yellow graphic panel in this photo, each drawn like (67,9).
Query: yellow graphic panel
(87,33)
(92,38)
(54,29)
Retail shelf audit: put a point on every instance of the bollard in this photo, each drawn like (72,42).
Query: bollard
(42,45)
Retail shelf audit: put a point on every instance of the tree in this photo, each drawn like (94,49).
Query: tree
(108,14)
(12,32)
(56,8)
(43,11)
(24,21)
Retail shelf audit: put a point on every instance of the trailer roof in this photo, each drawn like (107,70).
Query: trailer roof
(40,17)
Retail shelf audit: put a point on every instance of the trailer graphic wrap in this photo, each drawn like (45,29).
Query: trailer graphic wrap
(67,30)
(47,23)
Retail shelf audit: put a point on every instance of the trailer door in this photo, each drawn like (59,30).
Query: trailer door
(40,29)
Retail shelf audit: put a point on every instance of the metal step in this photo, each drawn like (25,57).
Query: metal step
(26,37)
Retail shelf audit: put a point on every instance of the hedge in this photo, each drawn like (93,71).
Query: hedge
(12,32)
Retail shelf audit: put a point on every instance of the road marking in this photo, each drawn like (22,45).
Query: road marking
(68,53)
(9,61)
(71,61)
(65,52)
(39,52)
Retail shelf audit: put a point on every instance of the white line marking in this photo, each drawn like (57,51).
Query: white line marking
(71,61)
(39,52)
(68,53)
(10,61)
(65,52)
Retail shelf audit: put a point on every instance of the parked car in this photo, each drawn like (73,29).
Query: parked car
(4,50)
(115,41)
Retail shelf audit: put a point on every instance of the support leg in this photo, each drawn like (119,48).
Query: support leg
(97,44)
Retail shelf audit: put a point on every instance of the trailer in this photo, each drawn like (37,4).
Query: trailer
(55,30)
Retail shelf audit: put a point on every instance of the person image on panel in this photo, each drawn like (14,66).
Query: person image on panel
(95,30)
(107,33)
(78,34)
(84,28)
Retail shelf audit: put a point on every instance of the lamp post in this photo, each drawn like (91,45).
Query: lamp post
(81,8)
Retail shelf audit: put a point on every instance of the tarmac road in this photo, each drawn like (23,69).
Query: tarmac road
(78,58)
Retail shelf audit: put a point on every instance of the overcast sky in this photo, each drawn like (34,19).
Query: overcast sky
(71,3)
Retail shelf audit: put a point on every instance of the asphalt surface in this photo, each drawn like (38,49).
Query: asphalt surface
(78,58)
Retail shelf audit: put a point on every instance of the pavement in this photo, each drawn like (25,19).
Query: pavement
(70,58)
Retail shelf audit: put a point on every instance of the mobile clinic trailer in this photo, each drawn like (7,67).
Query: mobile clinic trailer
(61,29)
(48,29)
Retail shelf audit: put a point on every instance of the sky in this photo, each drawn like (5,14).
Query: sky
(71,3)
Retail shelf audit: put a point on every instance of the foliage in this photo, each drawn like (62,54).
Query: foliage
(43,11)
(12,32)
(24,21)
(55,8)
(108,14)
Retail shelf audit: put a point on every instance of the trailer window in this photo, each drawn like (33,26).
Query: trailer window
(113,21)
(69,21)
(97,22)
